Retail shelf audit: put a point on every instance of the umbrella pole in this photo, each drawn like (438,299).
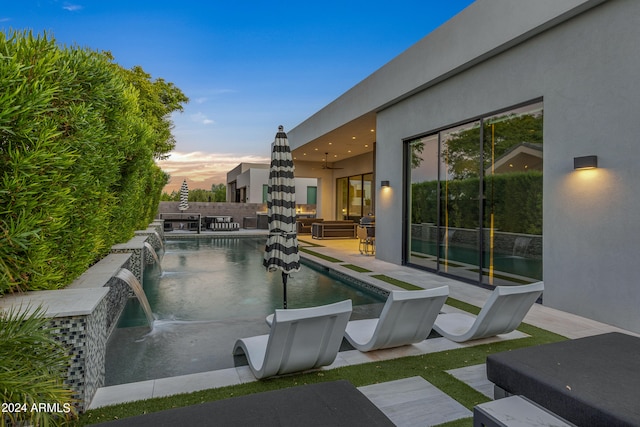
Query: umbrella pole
(285,276)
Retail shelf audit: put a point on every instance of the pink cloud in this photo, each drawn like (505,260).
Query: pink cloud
(201,170)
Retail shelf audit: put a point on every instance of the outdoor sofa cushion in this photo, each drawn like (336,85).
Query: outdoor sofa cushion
(591,381)
(304,224)
(333,229)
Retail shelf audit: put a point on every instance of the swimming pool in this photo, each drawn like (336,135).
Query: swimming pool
(210,292)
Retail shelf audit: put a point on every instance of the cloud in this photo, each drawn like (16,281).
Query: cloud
(223,91)
(72,7)
(201,169)
(200,100)
(201,118)
(5,19)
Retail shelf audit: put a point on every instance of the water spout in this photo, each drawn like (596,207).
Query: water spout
(153,253)
(520,246)
(159,239)
(131,280)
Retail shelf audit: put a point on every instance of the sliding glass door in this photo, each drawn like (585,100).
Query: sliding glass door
(354,197)
(475,199)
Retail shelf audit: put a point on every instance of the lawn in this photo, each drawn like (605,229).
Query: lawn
(432,367)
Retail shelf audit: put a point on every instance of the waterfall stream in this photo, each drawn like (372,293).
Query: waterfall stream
(154,254)
(131,280)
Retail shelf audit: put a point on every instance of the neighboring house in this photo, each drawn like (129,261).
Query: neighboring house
(247,183)
(502,83)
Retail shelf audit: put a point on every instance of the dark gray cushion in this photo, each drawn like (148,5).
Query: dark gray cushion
(336,403)
(588,381)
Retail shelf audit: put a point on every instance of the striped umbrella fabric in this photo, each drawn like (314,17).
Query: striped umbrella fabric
(281,251)
(184,196)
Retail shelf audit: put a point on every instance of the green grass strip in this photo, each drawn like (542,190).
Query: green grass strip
(356,268)
(432,367)
(316,254)
(404,285)
(308,243)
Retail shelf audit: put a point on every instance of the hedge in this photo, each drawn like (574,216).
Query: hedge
(78,139)
(516,199)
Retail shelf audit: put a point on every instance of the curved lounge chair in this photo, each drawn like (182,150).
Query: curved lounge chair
(502,313)
(299,339)
(407,318)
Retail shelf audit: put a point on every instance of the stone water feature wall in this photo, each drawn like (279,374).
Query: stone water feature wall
(525,245)
(86,337)
(134,247)
(84,314)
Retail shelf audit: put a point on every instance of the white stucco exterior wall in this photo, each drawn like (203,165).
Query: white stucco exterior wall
(585,70)
(581,57)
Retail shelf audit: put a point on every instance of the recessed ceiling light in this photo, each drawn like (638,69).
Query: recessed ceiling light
(353,137)
(366,145)
(330,143)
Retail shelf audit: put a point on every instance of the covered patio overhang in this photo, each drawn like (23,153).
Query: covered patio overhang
(340,152)
(349,140)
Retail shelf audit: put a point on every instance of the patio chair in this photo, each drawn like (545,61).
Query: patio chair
(502,313)
(407,318)
(367,239)
(299,340)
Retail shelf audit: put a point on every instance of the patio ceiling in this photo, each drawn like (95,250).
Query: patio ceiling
(352,139)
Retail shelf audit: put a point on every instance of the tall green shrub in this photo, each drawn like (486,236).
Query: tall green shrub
(516,199)
(78,139)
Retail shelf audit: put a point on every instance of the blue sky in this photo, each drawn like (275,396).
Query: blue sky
(247,66)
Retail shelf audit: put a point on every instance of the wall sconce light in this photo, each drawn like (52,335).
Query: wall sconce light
(585,162)
(384,184)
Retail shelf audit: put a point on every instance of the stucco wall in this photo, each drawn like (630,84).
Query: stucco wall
(585,70)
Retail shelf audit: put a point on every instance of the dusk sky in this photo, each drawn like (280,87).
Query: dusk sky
(247,66)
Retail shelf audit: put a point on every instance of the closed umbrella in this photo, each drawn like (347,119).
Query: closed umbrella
(184,196)
(281,251)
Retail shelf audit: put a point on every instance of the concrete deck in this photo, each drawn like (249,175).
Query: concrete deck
(412,401)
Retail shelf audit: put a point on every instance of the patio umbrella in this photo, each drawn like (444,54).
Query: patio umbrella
(184,196)
(281,251)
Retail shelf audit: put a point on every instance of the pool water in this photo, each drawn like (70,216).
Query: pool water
(210,292)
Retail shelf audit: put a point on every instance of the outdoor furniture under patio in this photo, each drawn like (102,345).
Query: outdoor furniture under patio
(333,229)
(299,339)
(587,381)
(367,239)
(502,313)
(303,225)
(407,318)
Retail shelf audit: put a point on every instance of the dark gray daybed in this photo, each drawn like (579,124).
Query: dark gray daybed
(591,381)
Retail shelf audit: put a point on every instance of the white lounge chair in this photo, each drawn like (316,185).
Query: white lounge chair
(502,313)
(407,318)
(299,339)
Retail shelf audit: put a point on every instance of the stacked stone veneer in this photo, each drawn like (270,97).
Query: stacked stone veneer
(504,242)
(84,314)
(135,247)
(154,237)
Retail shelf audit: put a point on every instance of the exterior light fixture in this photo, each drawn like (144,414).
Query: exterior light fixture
(384,184)
(585,162)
